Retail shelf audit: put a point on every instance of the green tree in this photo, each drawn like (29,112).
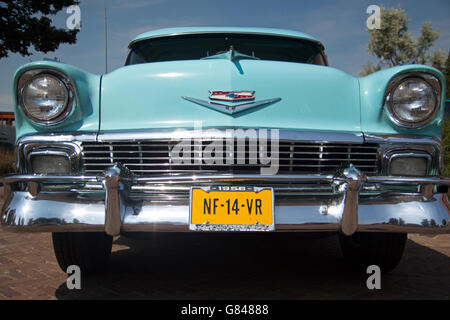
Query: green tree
(369,68)
(437,60)
(393,44)
(26,23)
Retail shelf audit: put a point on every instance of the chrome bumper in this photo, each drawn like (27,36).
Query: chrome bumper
(112,208)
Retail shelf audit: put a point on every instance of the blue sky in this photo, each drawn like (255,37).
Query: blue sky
(340,25)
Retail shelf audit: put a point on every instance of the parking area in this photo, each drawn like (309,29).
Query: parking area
(217,266)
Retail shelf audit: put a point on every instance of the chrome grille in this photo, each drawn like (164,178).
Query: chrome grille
(153,157)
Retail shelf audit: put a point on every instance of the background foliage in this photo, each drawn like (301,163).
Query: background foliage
(394,45)
(27,23)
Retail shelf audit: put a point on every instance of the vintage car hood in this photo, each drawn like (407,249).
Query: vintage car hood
(144,96)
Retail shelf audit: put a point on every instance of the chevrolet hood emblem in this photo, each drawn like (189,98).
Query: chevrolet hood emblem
(231,96)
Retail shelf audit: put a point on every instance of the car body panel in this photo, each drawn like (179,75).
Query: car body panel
(150,95)
(342,103)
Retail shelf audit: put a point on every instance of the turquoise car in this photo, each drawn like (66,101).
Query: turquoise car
(227,130)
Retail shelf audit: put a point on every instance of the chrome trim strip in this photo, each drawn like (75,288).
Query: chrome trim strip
(14,178)
(58,137)
(180,133)
(285,134)
(286,178)
(407,139)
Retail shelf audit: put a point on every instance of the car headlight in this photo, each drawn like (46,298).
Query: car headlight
(413,101)
(45,98)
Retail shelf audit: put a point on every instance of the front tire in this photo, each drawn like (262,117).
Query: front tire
(88,250)
(363,249)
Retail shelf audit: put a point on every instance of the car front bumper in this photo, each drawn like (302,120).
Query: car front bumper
(114,207)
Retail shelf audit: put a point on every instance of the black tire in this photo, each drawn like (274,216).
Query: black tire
(88,250)
(363,249)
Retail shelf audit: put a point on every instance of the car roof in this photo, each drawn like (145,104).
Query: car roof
(245,30)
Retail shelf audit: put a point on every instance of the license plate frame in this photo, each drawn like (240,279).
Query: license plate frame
(206,226)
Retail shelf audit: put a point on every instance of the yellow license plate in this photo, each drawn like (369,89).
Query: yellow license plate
(231,209)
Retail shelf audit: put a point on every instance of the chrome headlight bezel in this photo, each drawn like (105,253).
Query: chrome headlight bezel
(430,80)
(29,76)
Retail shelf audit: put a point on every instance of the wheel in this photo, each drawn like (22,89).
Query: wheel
(363,249)
(88,250)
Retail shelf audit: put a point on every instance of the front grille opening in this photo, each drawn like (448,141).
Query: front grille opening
(155,157)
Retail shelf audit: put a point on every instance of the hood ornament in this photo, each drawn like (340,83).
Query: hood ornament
(231,96)
(232,55)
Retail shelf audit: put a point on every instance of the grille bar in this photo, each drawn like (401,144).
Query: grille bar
(153,157)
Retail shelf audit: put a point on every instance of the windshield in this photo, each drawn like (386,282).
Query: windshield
(199,46)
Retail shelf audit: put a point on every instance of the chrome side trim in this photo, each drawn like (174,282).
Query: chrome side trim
(284,178)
